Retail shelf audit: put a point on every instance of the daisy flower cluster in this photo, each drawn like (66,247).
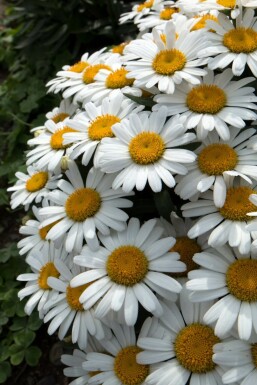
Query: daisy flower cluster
(141,191)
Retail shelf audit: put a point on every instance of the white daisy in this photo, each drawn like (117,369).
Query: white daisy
(144,150)
(142,9)
(33,186)
(127,269)
(95,123)
(231,279)
(50,149)
(81,208)
(42,266)
(65,311)
(73,72)
(213,104)
(167,63)
(195,6)
(187,345)
(228,223)
(217,160)
(240,360)
(117,365)
(156,18)
(65,110)
(199,21)
(236,45)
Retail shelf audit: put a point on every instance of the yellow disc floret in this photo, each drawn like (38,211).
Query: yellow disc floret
(48,270)
(79,66)
(241,278)
(241,40)
(118,79)
(83,203)
(186,248)
(254,354)
(146,148)
(91,71)
(44,230)
(227,3)
(194,348)
(127,265)
(101,127)
(168,61)
(146,4)
(206,99)
(237,204)
(217,158)
(73,294)
(119,48)
(202,22)
(56,141)
(126,368)
(37,181)
(60,117)
(167,13)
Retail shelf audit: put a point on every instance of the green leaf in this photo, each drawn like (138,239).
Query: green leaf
(32,355)
(3,319)
(17,358)
(24,337)
(8,252)
(18,324)
(147,102)
(5,371)
(34,321)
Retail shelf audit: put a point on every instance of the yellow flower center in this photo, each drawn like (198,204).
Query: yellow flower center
(194,348)
(237,204)
(117,79)
(127,265)
(202,22)
(73,294)
(91,71)
(254,354)
(227,3)
(101,127)
(241,278)
(119,48)
(48,270)
(146,148)
(186,248)
(56,141)
(60,117)
(83,203)
(79,66)
(217,158)
(206,99)
(44,230)
(241,40)
(168,61)
(37,181)
(167,13)
(146,4)
(126,368)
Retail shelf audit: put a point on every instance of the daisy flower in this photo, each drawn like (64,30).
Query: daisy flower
(74,71)
(126,270)
(64,111)
(199,21)
(240,360)
(233,44)
(196,6)
(156,18)
(167,63)
(142,9)
(145,150)
(228,223)
(65,311)
(118,365)
(81,208)
(217,160)
(213,104)
(50,149)
(95,123)
(42,266)
(187,345)
(231,279)
(33,186)
(35,239)
(75,360)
